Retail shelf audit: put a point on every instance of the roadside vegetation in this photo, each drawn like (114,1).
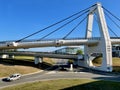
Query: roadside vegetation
(116,63)
(10,66)
(31,58)
(6,69)
(24,57)
(68,84)
(22,65)
(49,61)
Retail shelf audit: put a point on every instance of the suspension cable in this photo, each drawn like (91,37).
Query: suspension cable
(108,28)
(112,31)
(111,13)
(53,24)
(74,28)
(112,20)
(62,26)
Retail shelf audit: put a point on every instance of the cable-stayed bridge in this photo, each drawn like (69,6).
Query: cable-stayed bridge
(101,44)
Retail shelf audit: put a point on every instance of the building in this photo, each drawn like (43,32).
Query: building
(116,50)
(68,50)
(73,50)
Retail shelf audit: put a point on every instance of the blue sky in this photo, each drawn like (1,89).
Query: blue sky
(19,18)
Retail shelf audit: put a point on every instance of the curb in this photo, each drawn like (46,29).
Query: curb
(32,73)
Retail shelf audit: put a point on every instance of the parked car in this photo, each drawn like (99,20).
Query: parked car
(13,77)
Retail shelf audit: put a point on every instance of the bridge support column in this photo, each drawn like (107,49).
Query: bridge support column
(106,56)
(38,60)
(104,46)
(11,56)
(71,67)
(87,57)
(105,41)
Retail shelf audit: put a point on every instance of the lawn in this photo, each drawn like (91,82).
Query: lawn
(31,58)
(20,64)
(68,84)
(115,60)
(6,70)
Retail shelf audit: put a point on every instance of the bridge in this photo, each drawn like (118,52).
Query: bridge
(101,44)
(42,54)
(39,55)
(56,43)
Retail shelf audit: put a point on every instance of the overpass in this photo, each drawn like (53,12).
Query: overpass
(101,44)
(42,54)
(39,55)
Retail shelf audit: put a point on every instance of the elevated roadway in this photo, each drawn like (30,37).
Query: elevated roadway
(43,54)
(46,43)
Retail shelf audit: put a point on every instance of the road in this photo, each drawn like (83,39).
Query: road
(50,75)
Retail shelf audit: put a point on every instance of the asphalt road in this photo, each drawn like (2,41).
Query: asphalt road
(55,74)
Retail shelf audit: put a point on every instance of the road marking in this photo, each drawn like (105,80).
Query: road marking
(51,72)
(79,72)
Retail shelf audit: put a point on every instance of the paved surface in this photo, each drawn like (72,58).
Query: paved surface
(49,75)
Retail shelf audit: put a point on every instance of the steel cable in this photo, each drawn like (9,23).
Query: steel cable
(53,24)
(62,26)
(74,28)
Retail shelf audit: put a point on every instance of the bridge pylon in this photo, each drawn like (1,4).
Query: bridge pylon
(104,46)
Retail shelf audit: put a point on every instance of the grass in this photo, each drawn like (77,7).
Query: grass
(21,64)
(48,60)
(115,60)
(97,61)
(6,70)
(68,84)
(31,58)
(24,57)
(8,67)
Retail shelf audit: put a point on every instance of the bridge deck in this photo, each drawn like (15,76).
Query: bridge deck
(43,54)
(53,43)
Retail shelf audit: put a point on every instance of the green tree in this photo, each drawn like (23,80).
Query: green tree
(70,61)
(79,52)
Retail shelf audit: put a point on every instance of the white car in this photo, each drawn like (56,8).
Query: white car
(13,77)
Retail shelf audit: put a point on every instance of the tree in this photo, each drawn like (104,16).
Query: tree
(70,61)
(79,52)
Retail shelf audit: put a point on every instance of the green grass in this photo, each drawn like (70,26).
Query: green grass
(68,84)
